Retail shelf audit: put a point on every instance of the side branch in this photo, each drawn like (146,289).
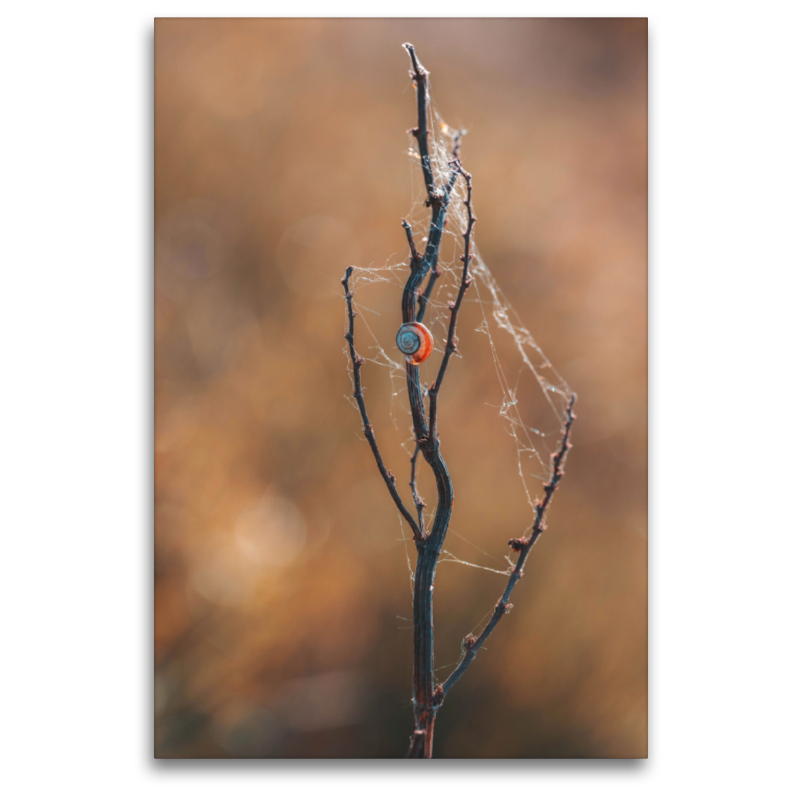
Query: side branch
(466,281)
(358,393)
(471,644)
(420,265)
(418,501)
(457,144)
(425,296)
(434,239)
(416,259)
(420,77)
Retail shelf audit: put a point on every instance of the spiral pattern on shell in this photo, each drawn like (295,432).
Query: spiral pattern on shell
(415,341)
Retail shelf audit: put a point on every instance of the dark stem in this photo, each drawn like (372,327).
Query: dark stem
(418,501)
(421,265)
(420,77)
(466,281)
(427,699)
(472,644)
(435,272)
(457,144)
(415,256)
(426,295)
(429,546)
(358,393)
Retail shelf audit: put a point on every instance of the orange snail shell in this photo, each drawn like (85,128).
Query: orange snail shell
(415,341)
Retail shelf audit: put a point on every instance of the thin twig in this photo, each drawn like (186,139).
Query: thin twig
(457,144)
(358,393)
(418,501)
(466,281)
(472,644)
(420,76)
(415,256)
(431,261)
(426,700)
(426,295)
(438,218)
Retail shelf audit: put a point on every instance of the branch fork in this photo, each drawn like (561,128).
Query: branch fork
(428,697)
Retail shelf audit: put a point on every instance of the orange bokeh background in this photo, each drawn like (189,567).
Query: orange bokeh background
(282,586)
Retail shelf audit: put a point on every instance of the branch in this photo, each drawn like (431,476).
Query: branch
(438,200)
(358,393)
(418,501)
(426,295)
(416,259)
(421,265)
(457,144)
(432,261)
(471,644)
(426,700)
(466,282)
(420,77)
(438,218)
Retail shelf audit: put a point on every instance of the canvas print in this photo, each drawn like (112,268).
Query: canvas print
(400,388)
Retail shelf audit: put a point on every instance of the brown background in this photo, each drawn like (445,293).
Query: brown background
(281,584)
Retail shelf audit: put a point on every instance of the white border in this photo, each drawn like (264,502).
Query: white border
(76,323)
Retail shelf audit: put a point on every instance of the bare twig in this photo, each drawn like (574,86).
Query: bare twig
(457,144)
(429,544)
(426,295)
(426,700)
(435,271)
(420,76)
(472,644)
(466,282)
(418,501)
(358,393)
(415,256)
(431,260)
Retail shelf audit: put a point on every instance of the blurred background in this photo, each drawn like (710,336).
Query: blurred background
(282,592)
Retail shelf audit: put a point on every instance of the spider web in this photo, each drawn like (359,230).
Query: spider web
(529,396)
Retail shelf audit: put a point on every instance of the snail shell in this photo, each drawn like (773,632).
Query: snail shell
(415,341)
